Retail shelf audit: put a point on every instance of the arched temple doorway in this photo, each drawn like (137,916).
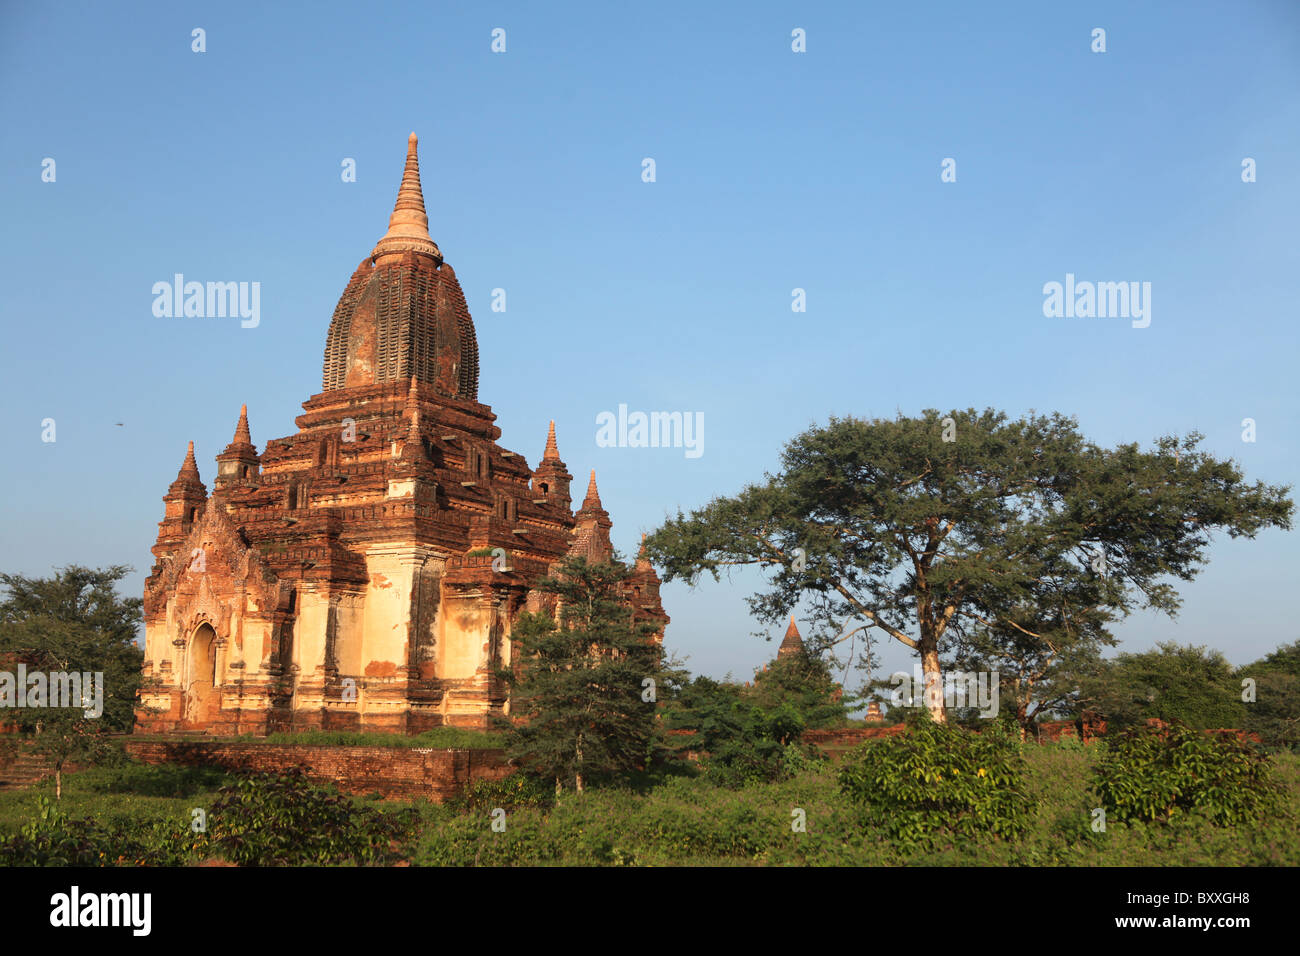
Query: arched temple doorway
(200,690)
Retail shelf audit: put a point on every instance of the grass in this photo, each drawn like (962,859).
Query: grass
(687,821)
(132,796)
(692,823)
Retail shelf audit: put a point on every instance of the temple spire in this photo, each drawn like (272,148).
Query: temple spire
(593,496)
(552,452)
(242,434)
(188,484)
(408,226)
(239,462)
(190,467)
(792,643)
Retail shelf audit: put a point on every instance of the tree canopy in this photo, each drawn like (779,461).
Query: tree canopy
(73,622)
(972,529)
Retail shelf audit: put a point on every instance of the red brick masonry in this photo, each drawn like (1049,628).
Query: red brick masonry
(395,772)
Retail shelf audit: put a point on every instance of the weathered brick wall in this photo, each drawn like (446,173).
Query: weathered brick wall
(838,742)
(395,772)
(1054,730)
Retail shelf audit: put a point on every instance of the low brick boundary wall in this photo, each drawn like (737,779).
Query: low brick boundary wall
(402,773)
(835,743)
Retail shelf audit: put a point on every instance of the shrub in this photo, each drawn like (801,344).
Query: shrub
(284,820)
(51,838)
(509,793)
(938,778)
(1150,774)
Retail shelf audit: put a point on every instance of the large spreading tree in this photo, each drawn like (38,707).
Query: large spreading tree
(1017,540)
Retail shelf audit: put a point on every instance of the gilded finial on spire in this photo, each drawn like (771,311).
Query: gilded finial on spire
(408,226)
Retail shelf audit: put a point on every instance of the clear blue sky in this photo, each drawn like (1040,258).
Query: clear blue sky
(775,170)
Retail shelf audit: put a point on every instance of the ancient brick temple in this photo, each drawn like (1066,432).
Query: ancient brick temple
(364,572)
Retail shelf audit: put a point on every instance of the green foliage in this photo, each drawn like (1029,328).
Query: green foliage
(682,821)
(1018,535)
(1274,714)
(285,820)
(936,779)
(509,793)
(75,621)
(1284,660)
(579,714)
(739,741)
(52,838)
(692,822)
(805,684)
(154,780)
(1192,685)
(1152,774)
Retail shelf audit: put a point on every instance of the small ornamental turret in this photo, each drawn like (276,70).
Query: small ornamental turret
(643,592)
(413,446)
(186,495)
(551,478)
(239,463)
(182,505)
(591,534)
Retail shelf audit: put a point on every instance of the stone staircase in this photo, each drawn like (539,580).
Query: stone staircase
(24,770)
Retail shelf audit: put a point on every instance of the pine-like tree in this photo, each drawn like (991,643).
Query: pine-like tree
(583,687)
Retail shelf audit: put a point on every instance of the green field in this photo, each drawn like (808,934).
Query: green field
(686,821)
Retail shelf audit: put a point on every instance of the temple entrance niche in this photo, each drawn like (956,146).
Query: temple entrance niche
(200,690)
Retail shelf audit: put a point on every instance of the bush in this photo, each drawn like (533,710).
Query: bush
(284,820)
(509,793)
(51,838)
(936,778)
(740,742)
(1150,774)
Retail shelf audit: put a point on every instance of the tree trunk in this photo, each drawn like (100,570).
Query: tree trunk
(58,781)
(578,762)
(933,693)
